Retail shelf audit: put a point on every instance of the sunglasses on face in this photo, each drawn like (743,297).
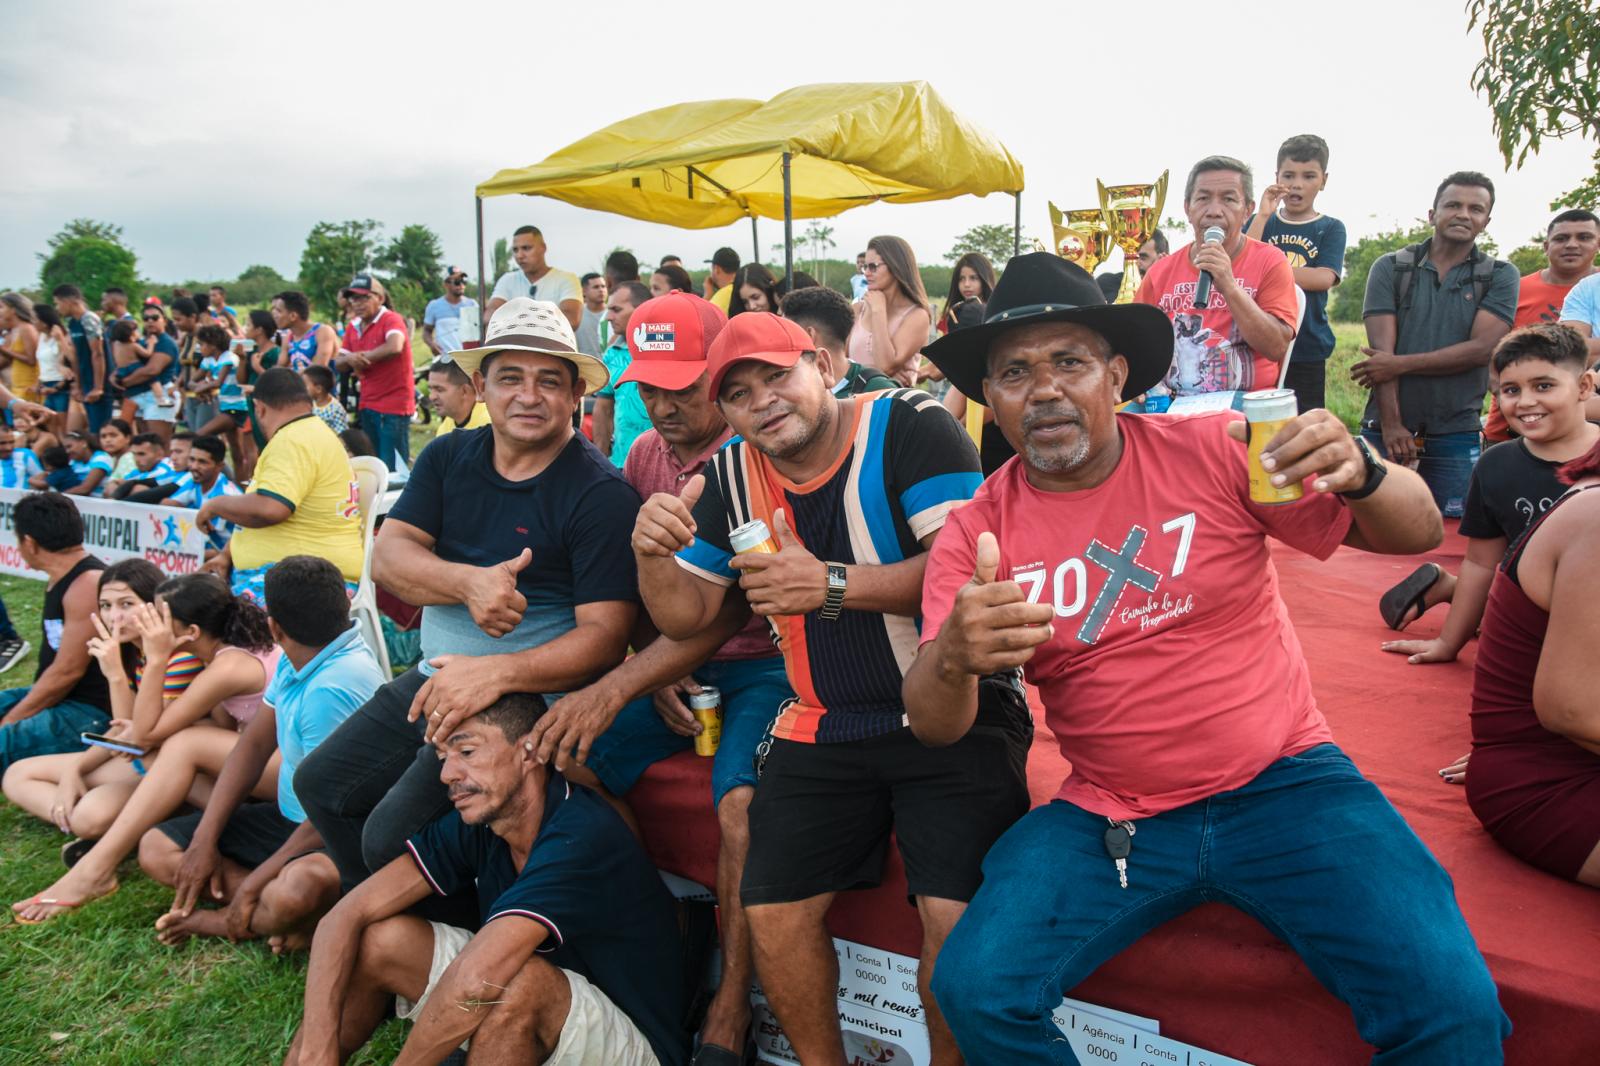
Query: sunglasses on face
(152,318)
(871,268)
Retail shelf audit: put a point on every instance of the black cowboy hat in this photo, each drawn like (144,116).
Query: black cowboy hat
(1043,287)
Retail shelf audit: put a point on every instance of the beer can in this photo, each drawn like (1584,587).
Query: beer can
(753,536)
(707,707)
(1265,413)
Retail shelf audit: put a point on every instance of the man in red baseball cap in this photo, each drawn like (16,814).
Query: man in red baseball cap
(637,714)
(852,491)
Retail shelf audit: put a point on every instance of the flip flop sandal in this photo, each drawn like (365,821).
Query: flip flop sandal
(63,907)
(1411,593)
(73,850)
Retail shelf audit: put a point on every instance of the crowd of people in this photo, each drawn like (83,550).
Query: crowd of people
(865,579)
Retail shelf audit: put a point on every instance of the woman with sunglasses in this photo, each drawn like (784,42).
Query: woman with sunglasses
(150,392)
(892,319)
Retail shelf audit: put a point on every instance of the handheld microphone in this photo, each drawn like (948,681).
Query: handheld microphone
(1202,291)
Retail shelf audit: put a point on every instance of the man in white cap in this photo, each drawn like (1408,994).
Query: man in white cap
(514,539)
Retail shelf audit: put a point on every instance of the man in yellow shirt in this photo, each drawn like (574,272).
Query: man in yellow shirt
(303,501)
(719,283)
(454,397)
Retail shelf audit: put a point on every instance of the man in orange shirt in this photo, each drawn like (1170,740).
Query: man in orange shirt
(1570,245)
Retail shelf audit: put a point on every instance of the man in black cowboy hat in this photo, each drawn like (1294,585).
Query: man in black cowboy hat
(1120,560)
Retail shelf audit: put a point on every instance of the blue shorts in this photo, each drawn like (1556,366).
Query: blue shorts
(752,691)
(252,584)
(151,411)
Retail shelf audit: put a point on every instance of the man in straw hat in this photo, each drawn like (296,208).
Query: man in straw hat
(1121,561)
(513,537)
(852,490)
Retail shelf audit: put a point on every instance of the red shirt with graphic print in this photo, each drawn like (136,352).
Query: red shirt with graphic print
(1208,353)
(1174,672)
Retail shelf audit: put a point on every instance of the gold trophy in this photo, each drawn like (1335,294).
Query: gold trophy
(1081,236)
(1132,213)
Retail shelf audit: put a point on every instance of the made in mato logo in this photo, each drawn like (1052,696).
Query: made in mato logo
(655,337)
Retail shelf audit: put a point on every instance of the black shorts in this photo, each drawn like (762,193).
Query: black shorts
(252,836)
(239,417)
(822,813)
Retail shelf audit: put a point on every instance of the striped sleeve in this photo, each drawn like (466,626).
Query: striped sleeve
(710,554)
(182,669)
(932,461)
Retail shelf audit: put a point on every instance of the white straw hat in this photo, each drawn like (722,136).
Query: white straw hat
(527,325)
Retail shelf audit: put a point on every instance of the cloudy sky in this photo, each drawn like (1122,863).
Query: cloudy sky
(218,134)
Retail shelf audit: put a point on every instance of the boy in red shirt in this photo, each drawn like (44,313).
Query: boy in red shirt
(1239,339)
(1570,245)
(377,349)
(1121,562)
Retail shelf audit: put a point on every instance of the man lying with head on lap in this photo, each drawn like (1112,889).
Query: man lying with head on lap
(577,958)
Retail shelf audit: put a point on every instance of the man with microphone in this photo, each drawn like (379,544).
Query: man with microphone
(1231,299)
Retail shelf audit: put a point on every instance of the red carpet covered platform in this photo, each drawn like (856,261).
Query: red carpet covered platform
(1216,978)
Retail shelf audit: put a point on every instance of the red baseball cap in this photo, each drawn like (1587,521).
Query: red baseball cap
(668,337)
(758,335)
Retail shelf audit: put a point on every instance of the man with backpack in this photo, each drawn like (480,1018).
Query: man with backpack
(1434,311)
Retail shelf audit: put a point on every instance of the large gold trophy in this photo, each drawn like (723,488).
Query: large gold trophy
(1132,214)
(1081,236)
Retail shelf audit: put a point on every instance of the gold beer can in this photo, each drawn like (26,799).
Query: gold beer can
(1265,413)
(707,707)
(753,536)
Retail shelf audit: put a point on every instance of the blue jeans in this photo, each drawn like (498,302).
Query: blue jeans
(1310,848)
(50,732)
(390,435)
(98,413)
(752,691)
(7,630)
(1445,462)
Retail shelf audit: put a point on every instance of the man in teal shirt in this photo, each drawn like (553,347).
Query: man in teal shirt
(619,413)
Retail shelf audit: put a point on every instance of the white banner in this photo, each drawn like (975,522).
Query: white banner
(115,530)
(880,1014)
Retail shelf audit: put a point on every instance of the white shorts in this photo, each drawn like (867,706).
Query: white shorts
(596,1032)
(145,404)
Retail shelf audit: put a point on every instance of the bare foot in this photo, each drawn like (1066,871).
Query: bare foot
(285,943)
(173,928)
(71,890)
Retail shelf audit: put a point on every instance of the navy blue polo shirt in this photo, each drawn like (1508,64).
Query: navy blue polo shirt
(590,884)
(577,515)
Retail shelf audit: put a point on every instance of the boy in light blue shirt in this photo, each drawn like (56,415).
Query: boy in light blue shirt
(266,858)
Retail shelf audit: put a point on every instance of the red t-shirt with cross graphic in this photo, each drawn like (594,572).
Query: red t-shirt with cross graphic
(1174,672)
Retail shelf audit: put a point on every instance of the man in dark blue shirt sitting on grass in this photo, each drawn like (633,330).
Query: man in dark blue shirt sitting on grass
(577,959)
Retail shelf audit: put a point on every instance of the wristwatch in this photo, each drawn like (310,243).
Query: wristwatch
(833,599)
(1376,472)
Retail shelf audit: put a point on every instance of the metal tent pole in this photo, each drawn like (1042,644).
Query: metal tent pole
(1016,239)
(483,319)
(788,226)
(755,241)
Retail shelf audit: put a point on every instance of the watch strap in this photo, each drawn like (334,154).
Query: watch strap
(1376,472)
(833,597)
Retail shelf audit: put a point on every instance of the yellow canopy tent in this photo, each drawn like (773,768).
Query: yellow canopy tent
(810,152)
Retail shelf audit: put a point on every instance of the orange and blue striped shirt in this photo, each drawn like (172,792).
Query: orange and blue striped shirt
(909,464)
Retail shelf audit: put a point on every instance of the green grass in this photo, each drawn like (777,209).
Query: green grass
(1345,398)
(95,987)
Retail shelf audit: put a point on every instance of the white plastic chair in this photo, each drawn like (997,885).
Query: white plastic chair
(372,478)
(1299,320)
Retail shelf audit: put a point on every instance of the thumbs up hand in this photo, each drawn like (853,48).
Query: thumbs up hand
(492,595)
(992,626)
(791,582)
(665,525)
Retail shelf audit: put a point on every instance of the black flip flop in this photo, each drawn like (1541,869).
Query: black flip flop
(712,1055)
(1410,593)
(75,849)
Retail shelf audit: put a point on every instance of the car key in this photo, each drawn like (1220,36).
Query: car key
(1119,845)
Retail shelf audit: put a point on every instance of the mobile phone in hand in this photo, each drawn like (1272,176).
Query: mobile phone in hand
(102,741)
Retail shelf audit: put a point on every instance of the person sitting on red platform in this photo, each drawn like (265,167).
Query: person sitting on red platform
(1123,563)
(1543,384)
(636,715)
(1534,782)
(866,481)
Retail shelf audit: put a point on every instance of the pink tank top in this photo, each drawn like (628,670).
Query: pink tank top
(859,348)
(243,707)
